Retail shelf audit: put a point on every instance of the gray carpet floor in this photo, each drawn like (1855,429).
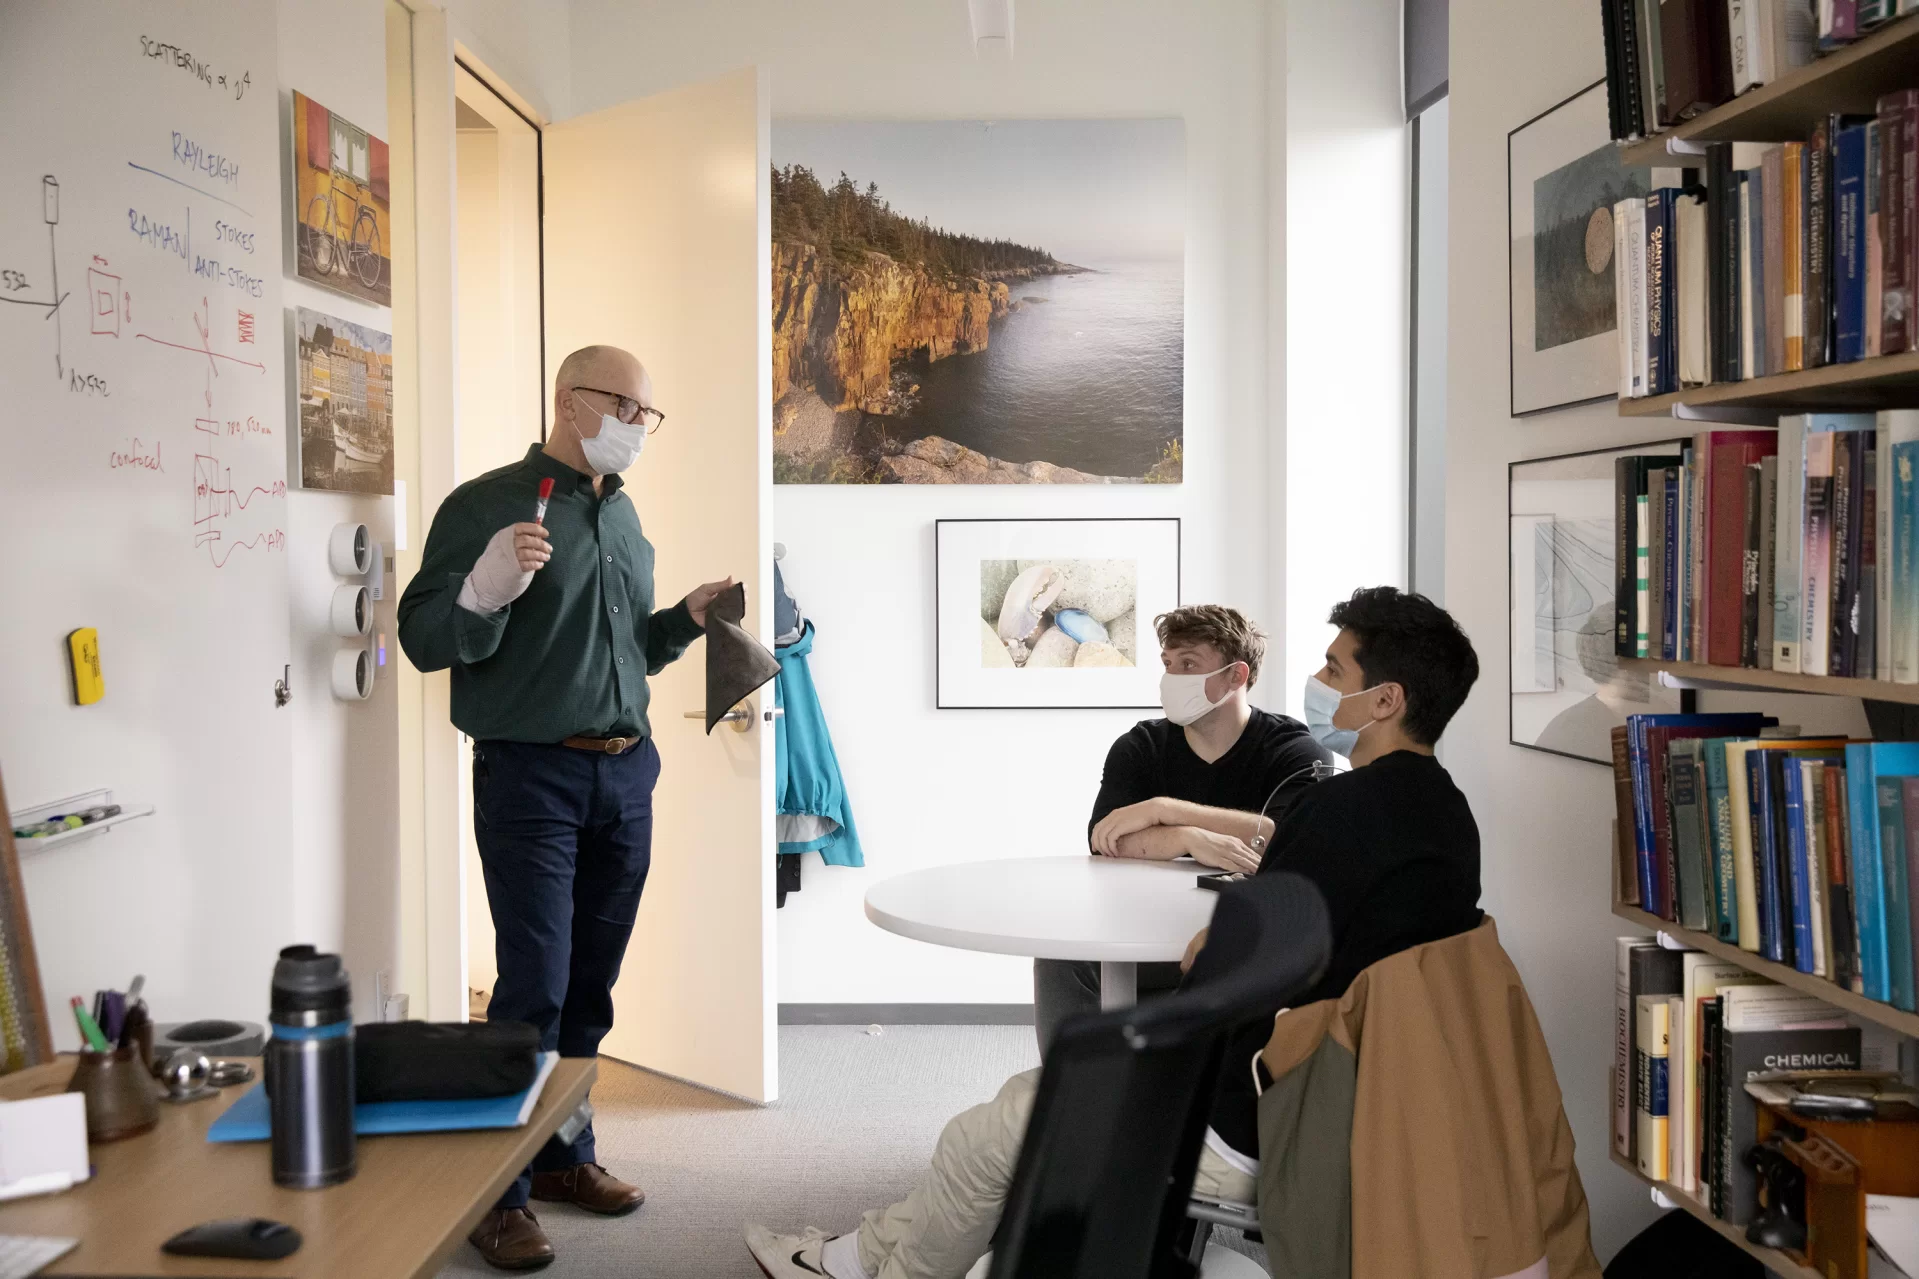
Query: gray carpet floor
(853,1129)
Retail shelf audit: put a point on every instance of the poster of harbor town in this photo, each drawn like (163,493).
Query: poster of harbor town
(345,404)
(971,302)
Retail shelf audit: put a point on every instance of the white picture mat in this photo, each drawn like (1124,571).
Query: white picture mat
(1587,369)
(960,546)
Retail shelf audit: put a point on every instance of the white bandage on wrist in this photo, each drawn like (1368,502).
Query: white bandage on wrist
(497,579)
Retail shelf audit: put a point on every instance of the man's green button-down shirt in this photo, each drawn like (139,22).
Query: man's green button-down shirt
(568,658)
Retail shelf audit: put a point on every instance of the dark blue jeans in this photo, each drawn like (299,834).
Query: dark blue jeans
(565,839)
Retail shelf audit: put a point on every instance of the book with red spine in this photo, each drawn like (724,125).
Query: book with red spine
(1898,210)
(1727,455)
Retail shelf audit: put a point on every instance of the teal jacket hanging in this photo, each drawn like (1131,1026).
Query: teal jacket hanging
(806,772)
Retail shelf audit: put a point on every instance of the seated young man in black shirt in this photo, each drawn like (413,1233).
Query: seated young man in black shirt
(1205,782)
(1392,844)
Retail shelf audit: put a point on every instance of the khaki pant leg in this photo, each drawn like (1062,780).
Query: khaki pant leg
(945,1225)
(1217,1179)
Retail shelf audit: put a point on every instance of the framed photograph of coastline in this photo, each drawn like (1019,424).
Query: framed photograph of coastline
(343,401)
(1054,613)
(1563,176)
(978,302)
(1567,689)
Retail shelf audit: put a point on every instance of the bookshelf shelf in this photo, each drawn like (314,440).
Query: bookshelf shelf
(1851,79)
(1883,382)
(1777,1262)
(1697,675)
(1885,1014)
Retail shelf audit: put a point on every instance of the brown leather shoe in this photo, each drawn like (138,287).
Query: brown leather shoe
(588,1186)
(511,1239)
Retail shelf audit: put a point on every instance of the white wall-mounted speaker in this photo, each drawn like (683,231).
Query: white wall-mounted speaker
(352,611)
(353,674)
(349,551)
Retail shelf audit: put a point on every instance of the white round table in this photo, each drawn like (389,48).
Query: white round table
(1122,913)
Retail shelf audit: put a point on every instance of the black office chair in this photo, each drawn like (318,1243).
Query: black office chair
(1101,1190)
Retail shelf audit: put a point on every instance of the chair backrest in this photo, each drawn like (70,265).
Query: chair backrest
(1103,1177)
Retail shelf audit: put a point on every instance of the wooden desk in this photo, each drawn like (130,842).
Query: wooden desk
(415,1199)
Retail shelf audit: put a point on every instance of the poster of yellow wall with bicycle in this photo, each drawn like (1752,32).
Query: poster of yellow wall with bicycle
(345,233)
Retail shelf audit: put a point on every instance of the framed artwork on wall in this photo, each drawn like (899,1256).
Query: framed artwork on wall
(1567,690)
(343,401)
(343,230)
(1563,176)
(1051,613)
(978,302)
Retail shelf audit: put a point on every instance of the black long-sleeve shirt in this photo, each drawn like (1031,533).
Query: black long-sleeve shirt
(1152,760)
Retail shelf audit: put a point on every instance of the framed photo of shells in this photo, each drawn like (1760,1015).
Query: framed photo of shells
(1052,613)
(1563,176)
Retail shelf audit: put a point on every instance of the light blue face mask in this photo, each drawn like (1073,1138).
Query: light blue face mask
(1322,703)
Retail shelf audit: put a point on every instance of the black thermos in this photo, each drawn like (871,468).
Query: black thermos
(309,1070)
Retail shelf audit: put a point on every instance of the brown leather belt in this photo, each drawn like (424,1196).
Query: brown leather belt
(603,745)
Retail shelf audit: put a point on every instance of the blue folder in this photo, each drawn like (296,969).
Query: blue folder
(248,1120)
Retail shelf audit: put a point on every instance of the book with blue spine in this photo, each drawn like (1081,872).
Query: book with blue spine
(1773,936)
(1866,763)
(1892,852)
(1649,798)
(1849,245)
(1905,567)
(1801,867)
(1719,805)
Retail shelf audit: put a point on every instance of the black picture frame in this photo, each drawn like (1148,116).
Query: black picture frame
(1659,698)
(942,693)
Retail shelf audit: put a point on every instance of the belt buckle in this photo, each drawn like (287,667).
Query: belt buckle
(615,745)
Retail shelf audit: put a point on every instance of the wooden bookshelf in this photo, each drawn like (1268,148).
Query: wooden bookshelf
(1883,382)
(1778,1262)
(1699,675)
(1785,974)
(1851,79)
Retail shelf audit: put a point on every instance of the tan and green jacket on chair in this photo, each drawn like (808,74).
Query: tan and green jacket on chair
(1415,1128)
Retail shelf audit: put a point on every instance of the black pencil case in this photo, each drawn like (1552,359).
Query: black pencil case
(443,1061)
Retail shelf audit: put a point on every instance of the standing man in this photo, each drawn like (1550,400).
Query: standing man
(549,628)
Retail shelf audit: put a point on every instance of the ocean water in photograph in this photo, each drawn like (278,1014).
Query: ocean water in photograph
(1087,373)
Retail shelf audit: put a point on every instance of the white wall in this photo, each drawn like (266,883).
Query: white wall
(1544,820)
(928,786)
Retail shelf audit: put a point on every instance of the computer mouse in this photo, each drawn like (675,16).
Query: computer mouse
(248,1238)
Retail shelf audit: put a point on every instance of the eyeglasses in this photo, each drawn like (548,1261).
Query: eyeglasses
(630,410)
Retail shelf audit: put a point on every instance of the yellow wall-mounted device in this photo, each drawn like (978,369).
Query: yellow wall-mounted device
(83,647)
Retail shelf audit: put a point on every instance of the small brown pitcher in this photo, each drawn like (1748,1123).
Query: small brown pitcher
(119,1093)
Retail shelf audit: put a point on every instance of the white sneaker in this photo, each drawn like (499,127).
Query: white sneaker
(788,1256)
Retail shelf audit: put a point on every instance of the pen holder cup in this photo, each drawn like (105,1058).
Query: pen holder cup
(119,1092)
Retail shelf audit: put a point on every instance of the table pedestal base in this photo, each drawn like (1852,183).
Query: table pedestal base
(1118,984)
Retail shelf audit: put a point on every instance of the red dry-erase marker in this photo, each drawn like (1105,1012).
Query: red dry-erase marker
(546,491)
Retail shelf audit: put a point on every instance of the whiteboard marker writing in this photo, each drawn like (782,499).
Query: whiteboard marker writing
(546,491)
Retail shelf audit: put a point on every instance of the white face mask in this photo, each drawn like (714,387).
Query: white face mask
(615,448)
(1183,697)
(1322,703)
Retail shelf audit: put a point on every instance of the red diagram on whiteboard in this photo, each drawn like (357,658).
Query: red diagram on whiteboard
(103,303)
(215,500)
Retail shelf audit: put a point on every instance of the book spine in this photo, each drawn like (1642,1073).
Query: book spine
(1768,558)
(1623,1012)
(1776,765)
(1642,640)
(1660,791)
(1609,24)
(1894,286)
(1752,345)
(1636,287)
(1661,377)
(1642,806)
(1652,1102)
(1671,594)
(1818,890)
(1688,856)
(1904,599)
(1909,876)
(1845,940)
(1736,24)
(1625,552)
(1858,589)
(1892,864)
(1745,885)
(1775,283)
(1872,661)
(1875,247)
(1849,247)
(1844,587)
(1622,300)
(1868,877)
(1765,876)
(1726,534)
(1817,245)
(1651,72)
(1679,60)
(1788,521)
(1688,481)
(1625,860)
(1793,254)
(1752,517)
(1725,889)
(1797,862)
(1722,214)
(1696,547)
(1632,105)
(1657,541)
(1815,648)
(1709,1058)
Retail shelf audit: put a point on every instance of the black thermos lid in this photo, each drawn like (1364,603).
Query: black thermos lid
(306,980)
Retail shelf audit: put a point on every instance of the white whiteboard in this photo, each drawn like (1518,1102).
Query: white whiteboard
(143,475)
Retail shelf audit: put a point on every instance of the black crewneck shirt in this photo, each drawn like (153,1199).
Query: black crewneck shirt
(1152,760)
(1394,850)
